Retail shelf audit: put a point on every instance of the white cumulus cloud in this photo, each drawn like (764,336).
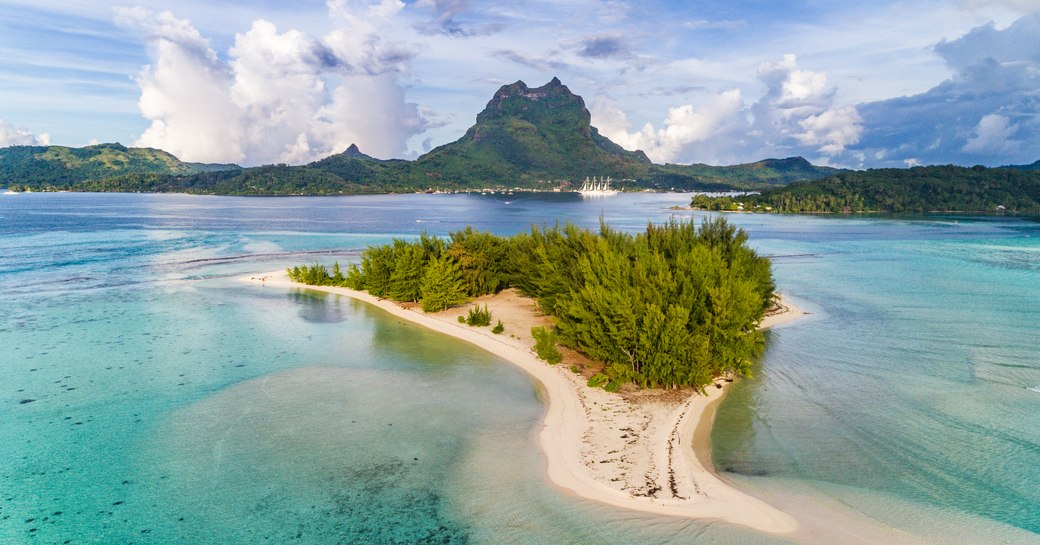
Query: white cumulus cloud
(831,130)
(17,136)
(685,125)
(278,96)
(987,111)
(992,136)
(795,115)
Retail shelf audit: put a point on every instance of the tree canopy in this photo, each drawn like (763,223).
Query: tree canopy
(676,305)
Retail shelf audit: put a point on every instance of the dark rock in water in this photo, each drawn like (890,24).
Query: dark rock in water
(24,401)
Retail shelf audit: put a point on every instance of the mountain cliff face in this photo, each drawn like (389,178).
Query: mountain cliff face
(534,133)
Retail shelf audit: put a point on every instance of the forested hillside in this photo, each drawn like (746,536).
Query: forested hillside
(60,167)
(919,189)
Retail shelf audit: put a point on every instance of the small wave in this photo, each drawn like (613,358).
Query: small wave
(1034,389)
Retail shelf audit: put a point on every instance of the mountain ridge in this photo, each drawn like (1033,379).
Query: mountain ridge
(532,138)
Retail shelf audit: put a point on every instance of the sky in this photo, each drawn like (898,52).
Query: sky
(840,82)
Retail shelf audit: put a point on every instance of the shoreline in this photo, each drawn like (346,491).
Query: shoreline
(642,450)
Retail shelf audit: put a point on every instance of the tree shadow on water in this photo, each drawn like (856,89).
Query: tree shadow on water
(319,308)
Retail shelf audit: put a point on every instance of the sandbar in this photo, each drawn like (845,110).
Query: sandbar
(634,449)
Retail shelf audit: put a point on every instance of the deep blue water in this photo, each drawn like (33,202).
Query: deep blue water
(148,396)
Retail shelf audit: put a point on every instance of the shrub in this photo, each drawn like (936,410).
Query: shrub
(498,328)
(314,275)
(676,305)
(597,380)
(479,317)
(545,345)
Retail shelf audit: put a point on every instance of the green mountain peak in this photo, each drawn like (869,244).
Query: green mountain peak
(528,137)
(528,133)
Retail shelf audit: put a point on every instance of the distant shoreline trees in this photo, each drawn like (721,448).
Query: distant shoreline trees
(913,190)
(676,305)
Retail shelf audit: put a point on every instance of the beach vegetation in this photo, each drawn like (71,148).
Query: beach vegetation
(337,277)
(481,258)
(676,305)
(314,275)
(442,285)
(405,281)
(479,316)
(545,344)
(499,328)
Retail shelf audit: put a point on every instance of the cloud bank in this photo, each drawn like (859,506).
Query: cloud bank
(18,136)
(277,96)
(987,112)
(795,115)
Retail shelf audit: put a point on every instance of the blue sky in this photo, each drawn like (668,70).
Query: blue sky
(892,83)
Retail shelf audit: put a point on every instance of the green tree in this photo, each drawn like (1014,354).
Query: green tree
(406,278)
(481,258)
(676,305)
(442,285)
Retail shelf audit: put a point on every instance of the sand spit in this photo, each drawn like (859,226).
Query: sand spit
(634,449)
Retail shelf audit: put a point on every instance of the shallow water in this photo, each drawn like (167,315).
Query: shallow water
(149,397)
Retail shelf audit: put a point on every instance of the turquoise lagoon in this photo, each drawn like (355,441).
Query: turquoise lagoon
(147,395)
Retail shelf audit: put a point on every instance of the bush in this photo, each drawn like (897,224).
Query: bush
(676,305)
(479,317)
(545,345)
(314,275)
(498,328)
(597,380)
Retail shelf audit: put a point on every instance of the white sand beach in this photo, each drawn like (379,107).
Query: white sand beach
(633,449)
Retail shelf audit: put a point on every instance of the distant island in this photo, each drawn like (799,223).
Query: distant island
(525,138)
(533,139)
(674,306)
(1011,189)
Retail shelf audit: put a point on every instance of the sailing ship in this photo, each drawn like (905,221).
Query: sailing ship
(596,187)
